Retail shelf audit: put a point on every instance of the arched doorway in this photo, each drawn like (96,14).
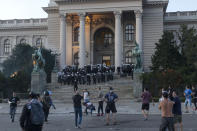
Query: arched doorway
(104,46)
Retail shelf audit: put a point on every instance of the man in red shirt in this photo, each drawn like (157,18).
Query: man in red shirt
(146,98)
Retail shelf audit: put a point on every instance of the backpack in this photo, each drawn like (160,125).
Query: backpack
(47,102)
(37,114)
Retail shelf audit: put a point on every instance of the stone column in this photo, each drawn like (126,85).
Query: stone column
(82,45)
(118,40)
(62,41)
(138,15)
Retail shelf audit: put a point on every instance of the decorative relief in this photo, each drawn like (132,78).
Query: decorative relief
(117,14)
(105,20)
(138,13)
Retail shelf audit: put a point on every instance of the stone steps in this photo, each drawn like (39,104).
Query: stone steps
(122,87)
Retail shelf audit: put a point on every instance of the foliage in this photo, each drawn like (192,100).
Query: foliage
(18,67)
(167,55)
(50,61)
(174,62)
(20,59)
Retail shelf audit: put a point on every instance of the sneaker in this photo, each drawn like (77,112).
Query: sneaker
(102,114)
(79,127)
(145,119)
(98,114)
(186,111)
(115,123)
(76,127)
(107,124)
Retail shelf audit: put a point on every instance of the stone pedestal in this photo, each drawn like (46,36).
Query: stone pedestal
(137,85)
(54,77)
(38,82)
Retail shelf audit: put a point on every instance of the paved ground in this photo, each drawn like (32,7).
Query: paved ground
(65,122)
(123,107)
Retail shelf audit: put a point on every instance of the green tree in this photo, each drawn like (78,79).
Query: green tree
(50,61)
(188,45)
(20,59)
(18,67)
(167,55)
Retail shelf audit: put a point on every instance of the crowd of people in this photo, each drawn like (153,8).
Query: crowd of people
(92,74)
(36,111)
(170,106)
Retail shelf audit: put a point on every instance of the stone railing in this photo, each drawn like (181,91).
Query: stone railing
(185,15)
(23,22)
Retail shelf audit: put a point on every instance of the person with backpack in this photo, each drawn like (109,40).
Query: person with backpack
(47,103)
(32,116)
(110,99)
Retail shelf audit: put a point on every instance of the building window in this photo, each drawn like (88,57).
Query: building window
(76,58)
(76,34)
(7,47)
(39,42)
(129,57)
(108,39)
(23,41)
(129,32)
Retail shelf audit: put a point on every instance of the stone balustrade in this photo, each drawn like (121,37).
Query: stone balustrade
(183,15)
(23,22)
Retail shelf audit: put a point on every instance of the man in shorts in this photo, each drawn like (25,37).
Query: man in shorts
(177,112)
(167,120)
(188,98)
(110,99)
(146,97)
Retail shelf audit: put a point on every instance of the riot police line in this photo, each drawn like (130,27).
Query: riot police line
(92,74)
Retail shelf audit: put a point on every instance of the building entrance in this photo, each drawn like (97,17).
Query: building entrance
(104,46)
(106,60)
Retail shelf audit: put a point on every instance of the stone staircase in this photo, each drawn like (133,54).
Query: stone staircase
(122,87)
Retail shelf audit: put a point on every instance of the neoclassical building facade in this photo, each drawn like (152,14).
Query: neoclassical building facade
(95,31)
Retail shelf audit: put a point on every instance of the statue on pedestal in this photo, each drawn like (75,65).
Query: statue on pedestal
(38,60)
(38,76)
(136,52)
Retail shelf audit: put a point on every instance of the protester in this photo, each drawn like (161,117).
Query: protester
(47,103)
(146,97)
(167,117)
(195,97)
(170,90)
(13,101)
(77,109)
(162,91)
(75,85)
(32,117)
(177,112)
(100,102)
(86,96)
(110,99)
(89,106)
(188,98)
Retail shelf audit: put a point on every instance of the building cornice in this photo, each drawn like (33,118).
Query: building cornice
(163,3)
(155,2)
(25,27)
(85,1)
(51,9)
